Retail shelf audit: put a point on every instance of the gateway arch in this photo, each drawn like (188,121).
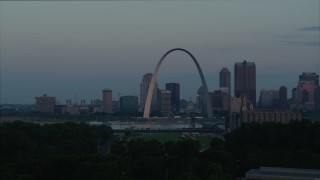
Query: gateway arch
(154,77)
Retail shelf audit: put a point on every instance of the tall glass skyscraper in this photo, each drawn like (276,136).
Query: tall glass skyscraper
(174,88)
(245,80)
(225,78)
(144,86)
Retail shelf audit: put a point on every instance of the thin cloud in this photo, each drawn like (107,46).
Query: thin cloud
(291,36)
(310,28)
(302,43)
(224,49)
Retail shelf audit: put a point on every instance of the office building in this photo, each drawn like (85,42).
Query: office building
(225,79)
(165,102)
(45,103)
(174,88)
(144,87)
(317,99)
(269,99)
(225,83)
(200,102)
(283,98)
(107,100)
(219,100)
(115,106)
(309,76)
(304,95)
(129,104)
(245,80)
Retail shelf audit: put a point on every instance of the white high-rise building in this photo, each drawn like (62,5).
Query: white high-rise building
(144,86)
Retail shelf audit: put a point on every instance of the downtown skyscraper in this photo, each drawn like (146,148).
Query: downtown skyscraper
(174,88)
(225,79)
(245,80)
(144,87)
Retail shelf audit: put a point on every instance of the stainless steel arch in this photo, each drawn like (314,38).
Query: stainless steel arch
(154,77)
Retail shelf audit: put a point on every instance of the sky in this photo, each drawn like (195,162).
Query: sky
(63,48)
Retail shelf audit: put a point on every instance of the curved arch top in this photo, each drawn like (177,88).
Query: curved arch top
(154,77)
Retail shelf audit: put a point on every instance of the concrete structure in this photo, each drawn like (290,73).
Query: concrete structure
(153,83)
(107,100)
(219,100)
(271,116)
(269,99)
(174,88)
(129,104)
(225,83)
(277,173)
(225,79)
(45,103)
(275,116)
(304,95)
(165,102)
(317,99)
(283,98)
(245,80)
(243,112)
(115,106)
(309,76)
(200,102)
(71,109)
(144,87)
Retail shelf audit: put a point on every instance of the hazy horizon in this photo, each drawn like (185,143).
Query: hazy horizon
(62,48)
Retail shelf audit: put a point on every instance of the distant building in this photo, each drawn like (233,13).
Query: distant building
(271,116)
(174,88)
(225,79)
(115,106)
(309,77)
(269,99)
(144,87)
(307,84)
(95,106)
(293,95)
(317,99)
(45,103)
(71,109)
(129,104)
(107,100)
(283,98)
(219,100)
(243,112)
(68,102)
(245,80)
(165,102)
(96,102)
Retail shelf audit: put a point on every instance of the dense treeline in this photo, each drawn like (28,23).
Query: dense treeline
(295,145)
(73,151)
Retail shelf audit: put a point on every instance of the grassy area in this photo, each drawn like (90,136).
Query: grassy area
(164,137)
(161,137)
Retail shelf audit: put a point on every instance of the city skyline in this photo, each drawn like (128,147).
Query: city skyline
(65,48)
